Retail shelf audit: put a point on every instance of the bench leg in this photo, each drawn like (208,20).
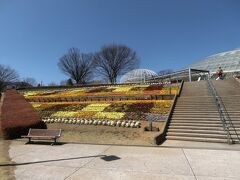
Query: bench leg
(29,140)
(55,141)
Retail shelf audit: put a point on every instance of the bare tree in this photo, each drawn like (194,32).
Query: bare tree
(7,75)
(115,60)
(63,82)
(76,65)
(69,82)
(30,81)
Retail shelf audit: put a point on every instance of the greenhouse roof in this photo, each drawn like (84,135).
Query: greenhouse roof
(229,61)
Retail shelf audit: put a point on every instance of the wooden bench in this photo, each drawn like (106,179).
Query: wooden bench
(43,134)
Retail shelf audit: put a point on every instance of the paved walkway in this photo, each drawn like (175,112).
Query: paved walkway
(81,161)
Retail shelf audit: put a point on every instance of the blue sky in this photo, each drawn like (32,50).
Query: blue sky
(166,34)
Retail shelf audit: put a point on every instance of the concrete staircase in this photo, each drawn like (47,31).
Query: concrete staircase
(229,91)
(195,116)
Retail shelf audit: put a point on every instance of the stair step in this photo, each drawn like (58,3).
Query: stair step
(202,128)
(182,109)
(235,119)
(213,140)
(199,105)
(196,100)
(197,131)
(194,107)
(200,100)
(202,114)
(193,104)
(233,112)
(195,118)
(193,111)
(198,121)
(196,127)
(194,114)
(180,101)
(206,131)
(202,135)
(195,124)
(194,95)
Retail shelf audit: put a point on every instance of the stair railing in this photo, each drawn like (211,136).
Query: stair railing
(224,116)
(229,121)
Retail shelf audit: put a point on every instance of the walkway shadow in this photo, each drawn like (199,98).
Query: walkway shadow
(110,158)
(45,143)
(104,157)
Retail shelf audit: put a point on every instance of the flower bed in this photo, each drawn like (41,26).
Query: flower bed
(95,107)
(122,89)
(118,110)
(65,114)
(109,115)
(105,90)
(104,111)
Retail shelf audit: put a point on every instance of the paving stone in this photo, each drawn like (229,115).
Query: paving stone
(82,161)
(100,174)
(156,160)
(41,172)
(214,163)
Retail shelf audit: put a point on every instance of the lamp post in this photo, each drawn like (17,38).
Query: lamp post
(189,75)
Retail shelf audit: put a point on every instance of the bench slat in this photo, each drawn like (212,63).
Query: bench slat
(44,132)
(41,136)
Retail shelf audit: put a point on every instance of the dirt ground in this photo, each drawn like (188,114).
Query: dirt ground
(107,135)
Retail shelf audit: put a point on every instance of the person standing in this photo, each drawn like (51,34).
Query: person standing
(219,73)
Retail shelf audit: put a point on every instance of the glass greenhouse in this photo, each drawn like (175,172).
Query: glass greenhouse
(229,61)
(138,76)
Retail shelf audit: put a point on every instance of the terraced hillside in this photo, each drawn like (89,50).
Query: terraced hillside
(129,103)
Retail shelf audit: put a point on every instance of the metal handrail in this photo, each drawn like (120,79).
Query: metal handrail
(229,119)
(224,116)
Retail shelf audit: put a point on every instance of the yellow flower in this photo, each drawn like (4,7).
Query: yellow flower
(123,88)
(36,105)
(95,107)
(79,90)
(85,114)
(64,114)
(109,115)
(161,107)
(30,93)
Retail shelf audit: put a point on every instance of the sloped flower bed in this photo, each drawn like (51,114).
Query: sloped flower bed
(129,110)
(104,90)
(124,112)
